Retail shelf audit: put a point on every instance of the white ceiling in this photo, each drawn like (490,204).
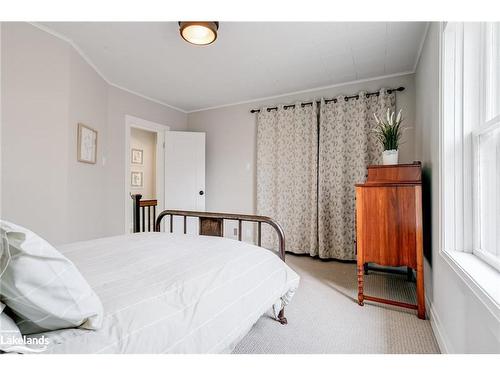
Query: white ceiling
(249,60)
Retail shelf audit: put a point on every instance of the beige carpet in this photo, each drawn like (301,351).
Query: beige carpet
(324,316)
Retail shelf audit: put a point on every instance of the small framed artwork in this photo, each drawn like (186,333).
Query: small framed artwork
(136,179)
(136,156)
(87,144)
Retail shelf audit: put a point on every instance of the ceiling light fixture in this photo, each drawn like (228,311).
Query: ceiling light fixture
(199,33)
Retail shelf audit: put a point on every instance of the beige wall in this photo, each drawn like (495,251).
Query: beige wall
(461,321)
(0,120)
(47,88)
(231,141)
(35,150)
(145,141)
(86,184)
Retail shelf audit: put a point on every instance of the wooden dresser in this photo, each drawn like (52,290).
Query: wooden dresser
(389,225)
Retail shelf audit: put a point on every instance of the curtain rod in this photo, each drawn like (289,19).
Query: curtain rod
(389,91)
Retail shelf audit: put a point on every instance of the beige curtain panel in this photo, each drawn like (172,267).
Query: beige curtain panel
(346,147)
(287,143)
(308,185)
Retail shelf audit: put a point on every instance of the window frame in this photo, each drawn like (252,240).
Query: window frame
(465,76)
(485,125)
(477,250)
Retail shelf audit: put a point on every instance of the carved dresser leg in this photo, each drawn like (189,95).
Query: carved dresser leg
(281,316)
(360,285)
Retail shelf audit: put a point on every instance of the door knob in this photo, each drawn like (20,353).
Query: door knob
(201,192)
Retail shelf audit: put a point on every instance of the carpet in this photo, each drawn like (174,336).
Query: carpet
(324,316)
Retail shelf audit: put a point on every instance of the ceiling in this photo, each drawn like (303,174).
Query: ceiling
(249,60)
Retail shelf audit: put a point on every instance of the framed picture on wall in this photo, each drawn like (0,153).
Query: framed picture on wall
(86,144)
(136,179)
(136,157)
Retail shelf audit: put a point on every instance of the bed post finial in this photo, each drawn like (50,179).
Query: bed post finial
(137,212)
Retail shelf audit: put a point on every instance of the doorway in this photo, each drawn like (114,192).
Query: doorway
(144,163)
(163,165)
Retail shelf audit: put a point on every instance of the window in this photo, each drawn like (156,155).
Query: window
(486,140)
(471,139)
(492,78)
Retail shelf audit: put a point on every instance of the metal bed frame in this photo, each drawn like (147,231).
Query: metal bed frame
(210,224)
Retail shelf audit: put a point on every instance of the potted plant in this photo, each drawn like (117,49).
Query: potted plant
(389,132)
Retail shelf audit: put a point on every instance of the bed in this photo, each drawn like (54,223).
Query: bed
(178,293)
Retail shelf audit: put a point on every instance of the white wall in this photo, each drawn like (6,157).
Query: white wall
(462,323)
(146,141)
(231,141)
(47,88)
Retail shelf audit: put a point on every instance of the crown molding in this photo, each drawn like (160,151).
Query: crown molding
(97,70)
(110,83)
(349,83)
(421,47)
(147,98)
(72,44)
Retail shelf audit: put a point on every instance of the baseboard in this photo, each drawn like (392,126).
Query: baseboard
(437,329)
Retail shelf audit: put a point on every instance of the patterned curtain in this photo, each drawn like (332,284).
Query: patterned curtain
(346,148)
(287,144)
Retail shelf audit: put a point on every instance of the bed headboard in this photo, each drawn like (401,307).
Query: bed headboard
(212,224)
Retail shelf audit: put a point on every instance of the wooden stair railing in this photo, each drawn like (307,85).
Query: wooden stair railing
(139,215)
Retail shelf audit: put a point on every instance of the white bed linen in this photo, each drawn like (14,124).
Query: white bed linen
(174,293)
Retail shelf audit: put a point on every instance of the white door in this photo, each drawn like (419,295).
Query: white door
(185,171)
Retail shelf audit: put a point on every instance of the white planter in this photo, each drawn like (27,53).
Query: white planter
(390,157)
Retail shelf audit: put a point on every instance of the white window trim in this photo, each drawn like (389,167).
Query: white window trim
(490,125)
(478,276)
(481,278)
(485,127)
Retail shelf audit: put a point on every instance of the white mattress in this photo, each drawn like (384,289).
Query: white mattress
(174,293)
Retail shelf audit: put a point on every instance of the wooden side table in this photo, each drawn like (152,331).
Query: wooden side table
(389,225)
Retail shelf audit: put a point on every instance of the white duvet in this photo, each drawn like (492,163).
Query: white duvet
(174,293)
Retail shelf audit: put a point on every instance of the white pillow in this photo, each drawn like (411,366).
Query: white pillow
(42,288)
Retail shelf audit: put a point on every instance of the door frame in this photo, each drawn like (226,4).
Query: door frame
(160,130)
